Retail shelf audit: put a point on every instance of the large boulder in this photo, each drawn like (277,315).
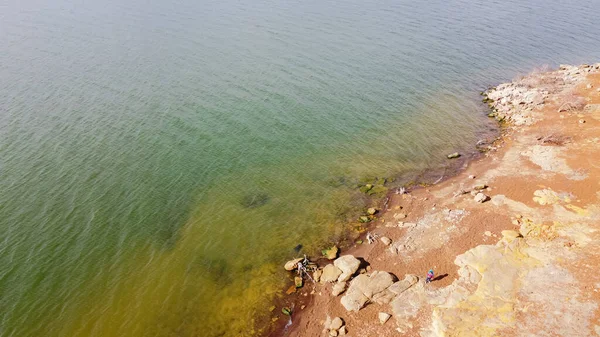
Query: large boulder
(401,286)
(383,297)
(364,288)
(348,264)
(330,274)
(354,300)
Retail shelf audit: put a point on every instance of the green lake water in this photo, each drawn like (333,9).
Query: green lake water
(159,160)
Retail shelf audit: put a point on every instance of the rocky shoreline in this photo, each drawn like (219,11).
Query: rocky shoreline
(507,238)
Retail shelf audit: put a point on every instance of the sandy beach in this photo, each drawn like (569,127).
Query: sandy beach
(513,239)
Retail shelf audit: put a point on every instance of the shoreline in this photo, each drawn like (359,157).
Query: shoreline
(443,228)
(415,181)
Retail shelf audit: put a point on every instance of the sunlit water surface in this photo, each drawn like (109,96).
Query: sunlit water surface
(159,160)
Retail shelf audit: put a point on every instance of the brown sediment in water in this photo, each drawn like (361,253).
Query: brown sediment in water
(522,263)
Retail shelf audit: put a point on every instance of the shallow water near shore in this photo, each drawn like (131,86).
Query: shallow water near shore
(159,161)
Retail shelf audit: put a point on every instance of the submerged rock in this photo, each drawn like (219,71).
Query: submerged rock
(453,155)
(255,200)
(366,188)
(371,210)
(378,190)
(331,253)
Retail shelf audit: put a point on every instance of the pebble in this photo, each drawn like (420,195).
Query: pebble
(480,197)
(386,241)
(471,177)
(581,121)
(336,323)
(399,216)
(384,317)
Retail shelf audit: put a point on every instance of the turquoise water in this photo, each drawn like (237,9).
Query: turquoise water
(160,160)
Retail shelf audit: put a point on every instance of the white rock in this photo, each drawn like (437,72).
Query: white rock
(293,264)
(343,331)
(383,297)
(336,324)
(386,241)
(384,317)
(480,197)
(327,323)
(348,264)
(471,177)
(330,274)
(399,216)
(401,286)
(338,288)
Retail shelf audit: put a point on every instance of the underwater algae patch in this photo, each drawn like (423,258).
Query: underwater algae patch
(161,293)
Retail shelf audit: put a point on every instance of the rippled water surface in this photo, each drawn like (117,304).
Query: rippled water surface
(160,159)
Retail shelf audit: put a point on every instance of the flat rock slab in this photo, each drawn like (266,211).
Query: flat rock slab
(330,274)
(364,287)
(401,286)
(348,264)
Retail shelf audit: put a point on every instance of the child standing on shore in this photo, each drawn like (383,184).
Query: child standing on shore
(429,276)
